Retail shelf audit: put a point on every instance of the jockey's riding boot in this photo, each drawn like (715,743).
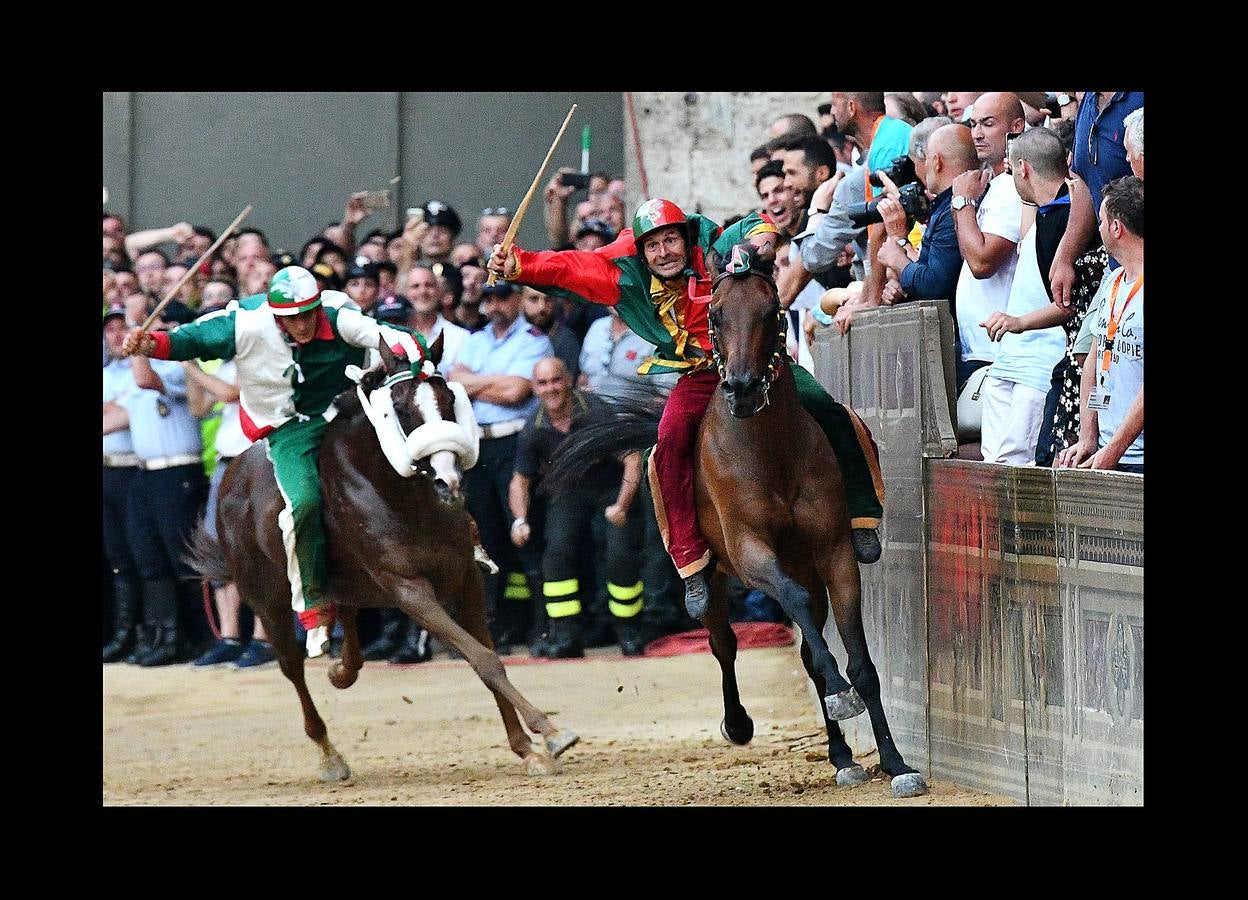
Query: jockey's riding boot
(563,638)
(161,597)
(631,636)
(318,641)
(126,594)
(866,544)
(393,627)
(697,596)
(483,561)
(416,647)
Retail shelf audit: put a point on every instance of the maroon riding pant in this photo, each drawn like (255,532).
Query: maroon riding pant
(671,471)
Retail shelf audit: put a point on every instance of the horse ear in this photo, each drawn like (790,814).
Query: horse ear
(435,349)
(388,360)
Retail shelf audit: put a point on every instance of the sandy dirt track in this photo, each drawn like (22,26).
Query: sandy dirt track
(430,735)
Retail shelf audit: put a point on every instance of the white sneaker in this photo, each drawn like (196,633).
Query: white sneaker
(318,641)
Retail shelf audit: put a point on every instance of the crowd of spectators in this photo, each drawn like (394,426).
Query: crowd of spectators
(1024,211)
(992,201)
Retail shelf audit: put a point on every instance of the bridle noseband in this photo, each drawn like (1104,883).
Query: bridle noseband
(777,355)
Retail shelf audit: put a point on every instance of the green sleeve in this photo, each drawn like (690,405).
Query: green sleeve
(736,233)
(211,337)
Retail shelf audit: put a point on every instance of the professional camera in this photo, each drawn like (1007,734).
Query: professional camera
(900,171)
(913,200)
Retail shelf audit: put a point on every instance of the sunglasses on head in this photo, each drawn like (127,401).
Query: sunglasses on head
(496,211)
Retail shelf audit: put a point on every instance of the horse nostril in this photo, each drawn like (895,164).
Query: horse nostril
(738,384)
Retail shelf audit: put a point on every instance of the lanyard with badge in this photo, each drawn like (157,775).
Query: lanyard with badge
(1097,398)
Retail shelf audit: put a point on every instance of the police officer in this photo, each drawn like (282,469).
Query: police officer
(164,499)
(496,368)
(607,486)
(120,467)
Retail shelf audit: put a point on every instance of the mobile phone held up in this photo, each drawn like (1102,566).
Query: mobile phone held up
(375,201)
(578,180)
(416,212)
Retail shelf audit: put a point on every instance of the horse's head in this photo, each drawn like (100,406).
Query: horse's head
(747,326)
(425,424)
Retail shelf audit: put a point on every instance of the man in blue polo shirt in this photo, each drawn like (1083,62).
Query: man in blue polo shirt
(496,368)
(1100,157)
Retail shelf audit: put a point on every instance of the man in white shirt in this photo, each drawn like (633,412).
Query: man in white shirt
(987,214)
(424,293)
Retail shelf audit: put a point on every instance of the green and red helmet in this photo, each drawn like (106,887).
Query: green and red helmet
(657,213)
(293,290)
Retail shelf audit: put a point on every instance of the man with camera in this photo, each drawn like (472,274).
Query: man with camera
(988,214)
(938,155)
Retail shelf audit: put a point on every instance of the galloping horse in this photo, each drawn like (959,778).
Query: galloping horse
(392,542)
(771,503)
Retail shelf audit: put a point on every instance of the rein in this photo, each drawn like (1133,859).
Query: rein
(777,355)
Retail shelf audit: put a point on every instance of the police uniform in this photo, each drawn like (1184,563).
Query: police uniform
(120,467)
(164,502)
(569,516)
(515,353)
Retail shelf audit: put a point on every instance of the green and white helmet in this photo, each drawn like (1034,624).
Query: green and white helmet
(293,290)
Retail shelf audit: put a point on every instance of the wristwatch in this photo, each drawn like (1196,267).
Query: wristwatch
(816,211)
(903,243)
(1064,99)
(959,201)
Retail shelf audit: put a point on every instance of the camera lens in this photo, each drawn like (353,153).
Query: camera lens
(863,214)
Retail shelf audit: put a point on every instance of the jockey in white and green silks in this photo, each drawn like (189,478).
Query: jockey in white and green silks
(292,348)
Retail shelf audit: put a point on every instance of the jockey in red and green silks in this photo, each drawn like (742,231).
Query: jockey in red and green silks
(656,277)
(292,348)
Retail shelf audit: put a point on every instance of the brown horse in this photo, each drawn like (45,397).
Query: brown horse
(392,542)
(771,503)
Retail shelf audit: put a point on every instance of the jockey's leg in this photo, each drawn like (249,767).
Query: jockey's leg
(293,451)
(671,484)
(857,456)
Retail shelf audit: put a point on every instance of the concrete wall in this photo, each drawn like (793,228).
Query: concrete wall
(696,146)
(1006,616)
(296,157)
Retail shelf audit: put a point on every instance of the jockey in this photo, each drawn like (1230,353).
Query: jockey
(291,348)
(656,277)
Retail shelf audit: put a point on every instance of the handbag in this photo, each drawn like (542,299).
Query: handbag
(970,407)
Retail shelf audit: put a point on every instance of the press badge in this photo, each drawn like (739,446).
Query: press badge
(1097,399)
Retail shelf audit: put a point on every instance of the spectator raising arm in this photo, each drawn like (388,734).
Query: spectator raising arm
(142,240)
(983,252)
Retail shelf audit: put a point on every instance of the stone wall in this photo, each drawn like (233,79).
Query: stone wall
(696,146)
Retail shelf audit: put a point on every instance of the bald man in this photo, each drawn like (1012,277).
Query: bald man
(988,215)
(930,273)
(608,486)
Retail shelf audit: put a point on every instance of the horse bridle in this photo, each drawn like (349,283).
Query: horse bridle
(777,355)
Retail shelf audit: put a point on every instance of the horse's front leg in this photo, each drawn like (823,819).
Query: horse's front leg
(737,726)
(756,563)
(344,671)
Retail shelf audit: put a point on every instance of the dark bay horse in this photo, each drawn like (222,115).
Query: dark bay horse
(771,503)
(392,542)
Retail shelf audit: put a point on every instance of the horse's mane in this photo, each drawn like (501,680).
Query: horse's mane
(349,401)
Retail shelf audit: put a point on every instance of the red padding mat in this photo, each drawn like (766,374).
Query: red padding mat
(749,634)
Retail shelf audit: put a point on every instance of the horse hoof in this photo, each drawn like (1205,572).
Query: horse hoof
(537,764)
(852,776)
(340,676)
(560,741)
(844,705)
(334,768)
(738,735)
(909,785)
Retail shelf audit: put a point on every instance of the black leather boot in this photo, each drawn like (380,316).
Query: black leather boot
(393,628)
(866,544)
(631,635)
(161,597)
(564,639)
(416,646)
(126,595)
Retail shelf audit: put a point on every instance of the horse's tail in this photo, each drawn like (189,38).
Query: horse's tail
(206,557)
(628,425)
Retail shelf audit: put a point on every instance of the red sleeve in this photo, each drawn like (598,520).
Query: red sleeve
(162,344)
(621,246)
(590,276)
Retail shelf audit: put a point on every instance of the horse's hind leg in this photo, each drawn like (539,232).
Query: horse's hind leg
(344,671)
(417,599)
(840,569)
(281,630)
(737,726)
